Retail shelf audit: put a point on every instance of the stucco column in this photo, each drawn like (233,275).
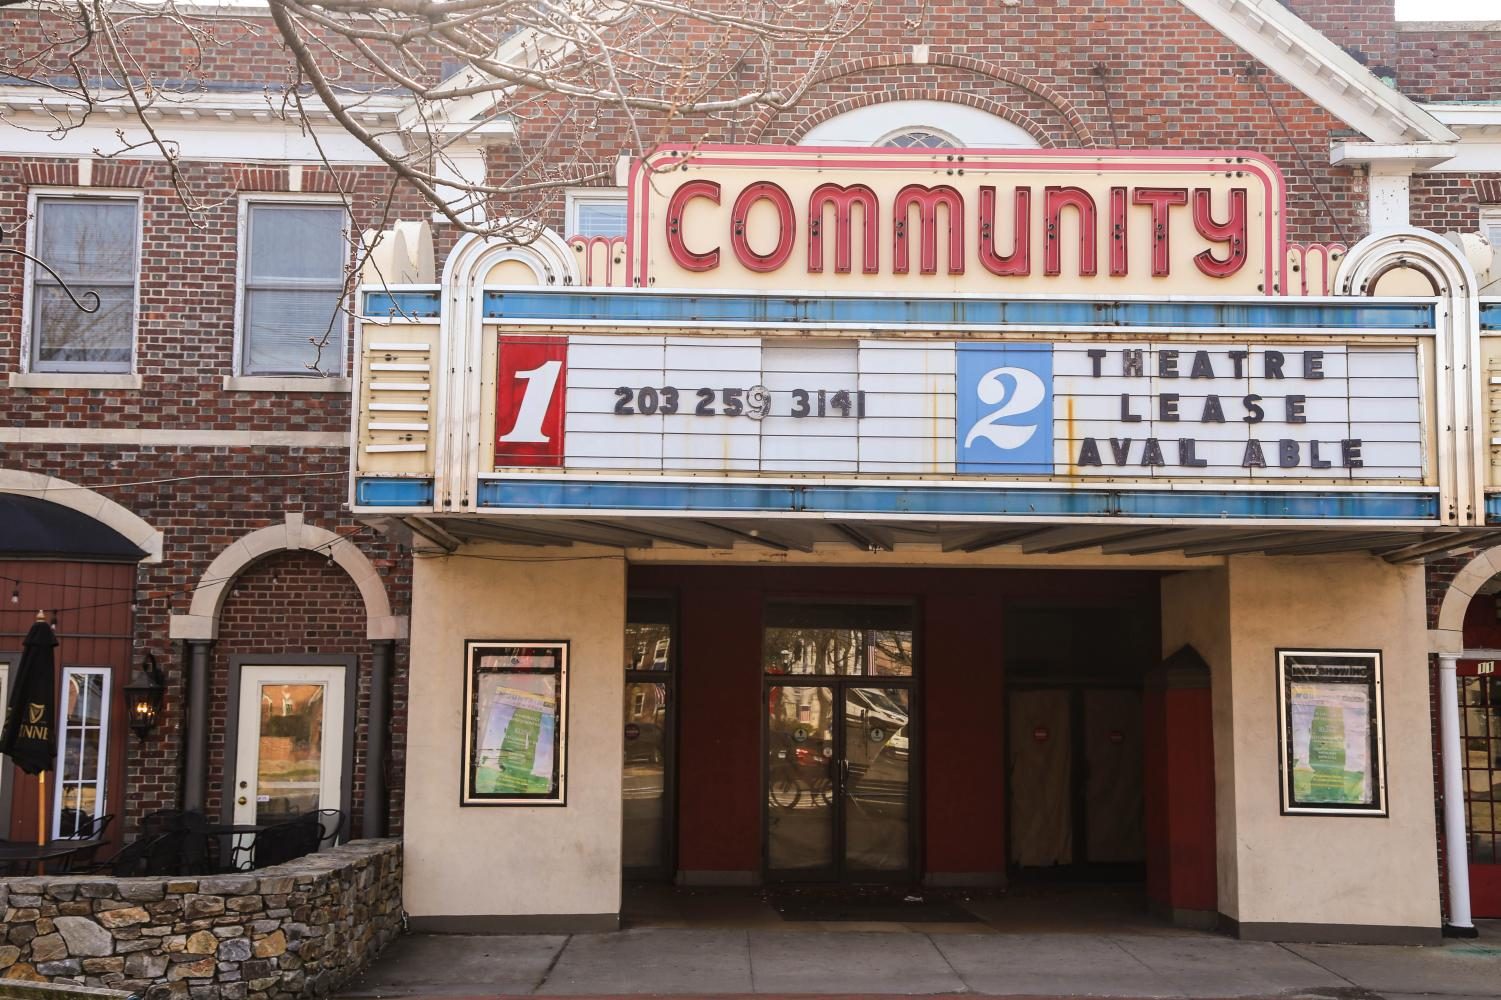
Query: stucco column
(377,733)
(1456,852)
(195,763)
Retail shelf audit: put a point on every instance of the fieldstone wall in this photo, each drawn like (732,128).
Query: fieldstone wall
(291,931)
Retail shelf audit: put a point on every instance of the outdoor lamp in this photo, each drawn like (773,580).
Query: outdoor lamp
(144,695)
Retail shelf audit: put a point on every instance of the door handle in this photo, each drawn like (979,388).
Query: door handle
(242,800)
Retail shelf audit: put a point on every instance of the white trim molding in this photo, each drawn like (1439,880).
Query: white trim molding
(286,383)
(74,380)
(1463,456)
(1326,73)
(86,501)
(294,534)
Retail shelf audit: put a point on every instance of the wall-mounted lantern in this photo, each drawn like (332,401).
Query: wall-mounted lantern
(144,696)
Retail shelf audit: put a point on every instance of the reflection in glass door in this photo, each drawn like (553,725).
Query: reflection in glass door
(876,778)
(800,779)
(839,741)
(646,806)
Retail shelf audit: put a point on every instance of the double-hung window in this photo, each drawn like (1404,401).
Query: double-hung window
(92,246)
(595,212)
(293,285)
(83,739)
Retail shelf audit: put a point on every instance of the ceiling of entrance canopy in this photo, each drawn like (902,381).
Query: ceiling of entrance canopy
(661,537)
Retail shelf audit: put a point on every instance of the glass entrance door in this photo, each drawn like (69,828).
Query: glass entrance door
(839,742)
(646,739)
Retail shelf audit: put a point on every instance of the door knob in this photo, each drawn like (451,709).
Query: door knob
(242,800)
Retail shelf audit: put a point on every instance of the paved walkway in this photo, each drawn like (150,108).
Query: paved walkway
(700,962)
(737,946)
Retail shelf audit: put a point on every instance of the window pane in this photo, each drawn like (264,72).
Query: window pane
(88,240)
(599,218)
(68,337)
(297,243)
(918,138)
(290,761)
(281,328)
(648,647)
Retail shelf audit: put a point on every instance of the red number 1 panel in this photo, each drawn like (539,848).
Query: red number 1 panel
(531,380)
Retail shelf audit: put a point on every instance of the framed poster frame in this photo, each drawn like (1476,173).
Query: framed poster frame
(1339,673)
(537,660)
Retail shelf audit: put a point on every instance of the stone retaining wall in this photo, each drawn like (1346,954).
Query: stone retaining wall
(291,931)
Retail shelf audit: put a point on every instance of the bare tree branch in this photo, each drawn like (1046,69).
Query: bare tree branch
(414,80)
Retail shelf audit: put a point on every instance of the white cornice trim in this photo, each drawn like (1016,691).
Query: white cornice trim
(208,106)
(1411,157)
(1289,47)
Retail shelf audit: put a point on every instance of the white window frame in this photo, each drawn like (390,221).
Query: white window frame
(576,196)
(77,376)
(101,786)
(239,379)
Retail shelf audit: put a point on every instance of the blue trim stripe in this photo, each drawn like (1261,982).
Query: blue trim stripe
(1490,315)
(596,306)
(380,492)
(598,495)
(402,305)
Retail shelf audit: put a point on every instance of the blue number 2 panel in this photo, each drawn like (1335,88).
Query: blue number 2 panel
(1005,408)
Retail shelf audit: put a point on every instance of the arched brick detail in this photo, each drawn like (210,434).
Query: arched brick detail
(1447,634)
(202,619)
(889,60)
(985,104)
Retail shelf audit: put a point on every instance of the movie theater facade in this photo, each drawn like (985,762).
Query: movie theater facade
(941,517)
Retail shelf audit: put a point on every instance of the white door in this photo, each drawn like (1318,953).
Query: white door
(290,757)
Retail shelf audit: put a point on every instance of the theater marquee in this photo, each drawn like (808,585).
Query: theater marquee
(961,334)
(936,221)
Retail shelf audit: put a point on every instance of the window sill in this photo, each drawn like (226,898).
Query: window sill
(289,383)
(74,380)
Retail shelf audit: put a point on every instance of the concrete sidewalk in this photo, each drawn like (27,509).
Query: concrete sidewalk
(1137,962)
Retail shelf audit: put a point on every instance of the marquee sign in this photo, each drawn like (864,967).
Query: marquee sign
(938,221)
(1077,409)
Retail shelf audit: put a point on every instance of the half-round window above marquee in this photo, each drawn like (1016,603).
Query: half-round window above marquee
(919,138)
(919,125)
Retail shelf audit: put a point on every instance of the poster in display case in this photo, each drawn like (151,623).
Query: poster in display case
(515,723)
(1332,748)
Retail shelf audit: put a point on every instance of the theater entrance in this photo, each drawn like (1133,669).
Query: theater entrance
(840,741)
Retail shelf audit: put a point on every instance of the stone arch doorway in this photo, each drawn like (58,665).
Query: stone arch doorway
(201,627)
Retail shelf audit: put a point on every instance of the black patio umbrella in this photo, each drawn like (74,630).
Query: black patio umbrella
(30,734)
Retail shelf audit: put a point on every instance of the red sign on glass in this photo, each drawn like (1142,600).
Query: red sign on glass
(531,377)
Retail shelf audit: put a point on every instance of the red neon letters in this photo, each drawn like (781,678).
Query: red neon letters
(1069,214)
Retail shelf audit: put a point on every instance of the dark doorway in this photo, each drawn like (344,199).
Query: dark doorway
(841,742)
(1074,747)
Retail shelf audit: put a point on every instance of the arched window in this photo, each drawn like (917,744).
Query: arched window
(919,125)
(919,138)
